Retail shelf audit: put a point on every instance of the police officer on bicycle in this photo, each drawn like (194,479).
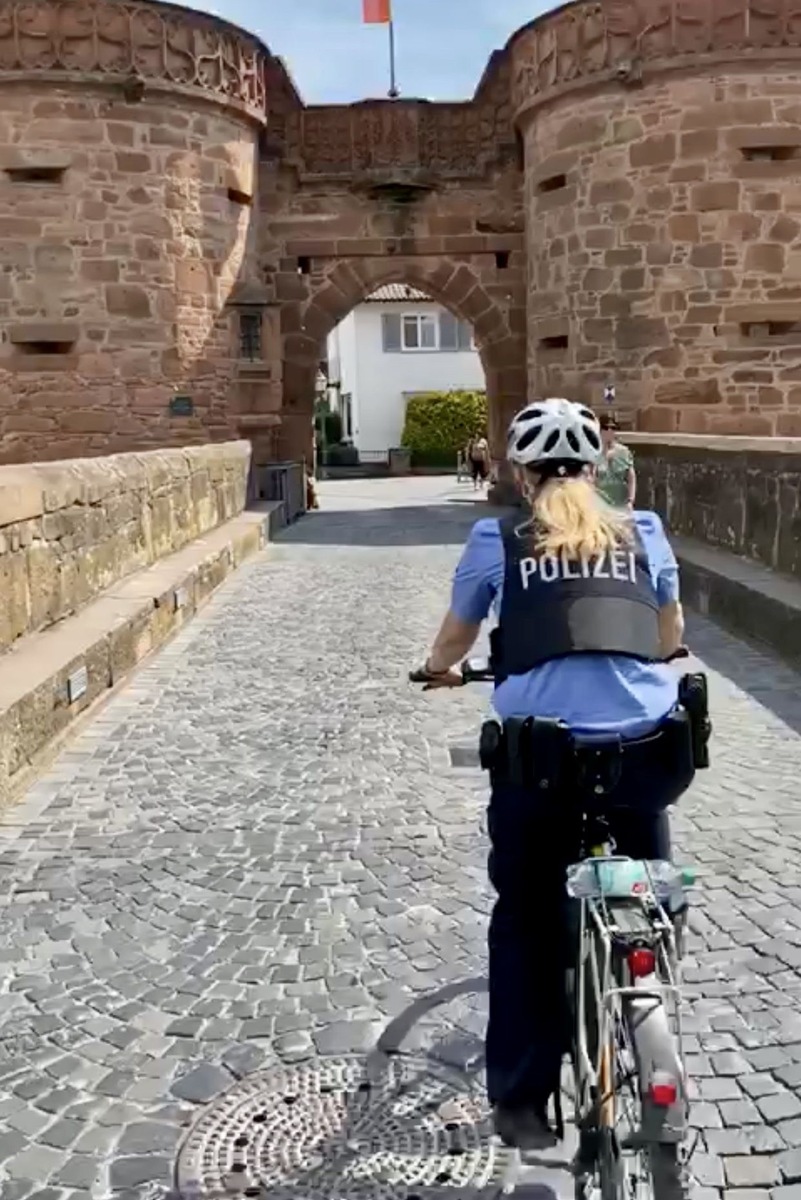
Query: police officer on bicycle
(587,600)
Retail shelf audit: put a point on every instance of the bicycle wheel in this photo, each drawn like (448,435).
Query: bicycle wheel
(649,1074)
(637,1156)
(669,1173)
(597,1168)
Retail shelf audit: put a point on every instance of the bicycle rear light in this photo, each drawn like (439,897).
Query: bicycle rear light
(642,962)
(664,1090)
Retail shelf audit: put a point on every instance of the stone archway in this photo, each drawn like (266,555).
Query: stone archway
(455,285)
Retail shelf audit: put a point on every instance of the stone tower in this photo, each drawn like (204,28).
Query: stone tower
(663,208)
(128,170)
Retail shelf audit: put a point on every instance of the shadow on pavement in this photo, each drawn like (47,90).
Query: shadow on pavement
(752,669)
(446,524)
(395,1034)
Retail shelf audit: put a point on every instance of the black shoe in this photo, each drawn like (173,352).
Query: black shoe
(523,1128)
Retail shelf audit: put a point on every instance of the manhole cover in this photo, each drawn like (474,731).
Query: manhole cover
(329,1131)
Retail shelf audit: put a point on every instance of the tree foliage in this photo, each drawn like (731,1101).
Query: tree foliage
(439,424)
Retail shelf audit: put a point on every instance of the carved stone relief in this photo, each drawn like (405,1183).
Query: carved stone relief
(123,39)
(598,36)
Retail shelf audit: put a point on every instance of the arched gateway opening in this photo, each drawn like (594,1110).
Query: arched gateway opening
(359,196)
(397,345)
(305,327)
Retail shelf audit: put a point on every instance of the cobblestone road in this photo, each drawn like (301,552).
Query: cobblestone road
(259,851)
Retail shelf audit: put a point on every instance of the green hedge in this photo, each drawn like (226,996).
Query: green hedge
(439,424)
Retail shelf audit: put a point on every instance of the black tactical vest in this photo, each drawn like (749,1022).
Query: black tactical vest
(552,607)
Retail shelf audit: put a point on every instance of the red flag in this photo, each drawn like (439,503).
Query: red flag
(377,12)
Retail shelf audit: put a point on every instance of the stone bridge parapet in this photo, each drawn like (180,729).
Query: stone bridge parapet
(739,494)
(69,530)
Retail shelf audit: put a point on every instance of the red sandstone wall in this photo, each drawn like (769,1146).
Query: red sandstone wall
(355,244)
(650,240)
(123,259)
(136,248)
(670,258)
(426,194)
(663,244)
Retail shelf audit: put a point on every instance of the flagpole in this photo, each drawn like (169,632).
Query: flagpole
(393,88)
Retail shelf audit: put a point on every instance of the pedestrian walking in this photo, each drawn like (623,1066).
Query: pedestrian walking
(615,477)
(479,458)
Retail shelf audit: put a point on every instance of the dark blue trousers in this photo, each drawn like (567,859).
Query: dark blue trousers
(532,843)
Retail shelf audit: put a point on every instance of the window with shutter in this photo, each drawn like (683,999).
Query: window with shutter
(428,333)
(411,333)
(419,331)
(465,335)
(448,332)
(391,332)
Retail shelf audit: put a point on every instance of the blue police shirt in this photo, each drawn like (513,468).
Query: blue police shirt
(592,693)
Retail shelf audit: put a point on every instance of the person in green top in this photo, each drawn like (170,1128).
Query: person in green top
(615,477)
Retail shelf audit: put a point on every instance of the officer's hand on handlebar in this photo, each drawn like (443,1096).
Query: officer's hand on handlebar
(448,679)
(483,672)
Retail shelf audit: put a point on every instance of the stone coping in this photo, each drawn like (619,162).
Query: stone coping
(49,679)
(753,602)
(30,490)
(728,443)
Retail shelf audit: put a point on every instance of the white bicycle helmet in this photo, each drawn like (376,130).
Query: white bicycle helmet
(554,431)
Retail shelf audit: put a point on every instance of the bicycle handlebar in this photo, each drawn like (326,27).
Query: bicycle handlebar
(485,672)
(477,674)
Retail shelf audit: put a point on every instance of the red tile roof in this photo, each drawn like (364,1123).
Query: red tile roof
(396,292)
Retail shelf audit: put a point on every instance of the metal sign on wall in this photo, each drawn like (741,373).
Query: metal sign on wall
(77,685)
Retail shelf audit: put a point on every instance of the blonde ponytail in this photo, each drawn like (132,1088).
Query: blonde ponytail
(569,518)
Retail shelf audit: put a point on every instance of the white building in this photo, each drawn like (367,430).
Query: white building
(393,345)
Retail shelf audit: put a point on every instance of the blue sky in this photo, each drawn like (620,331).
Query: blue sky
(442,45)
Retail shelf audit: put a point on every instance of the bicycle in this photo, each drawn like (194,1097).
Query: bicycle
(630,1094)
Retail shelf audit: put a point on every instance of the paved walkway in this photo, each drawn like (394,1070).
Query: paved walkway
(260,851)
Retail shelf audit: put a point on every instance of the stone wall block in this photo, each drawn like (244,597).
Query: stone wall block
(680,261)
(106,256)
(91,522)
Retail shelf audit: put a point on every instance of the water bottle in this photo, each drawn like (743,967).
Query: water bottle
(629,879)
